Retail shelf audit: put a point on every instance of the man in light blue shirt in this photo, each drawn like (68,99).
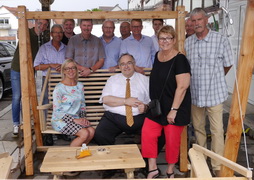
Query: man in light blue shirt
(51,55)
(139,46)
(157,24)
(111,45)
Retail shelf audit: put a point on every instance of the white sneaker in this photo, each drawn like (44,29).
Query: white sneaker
(15,130)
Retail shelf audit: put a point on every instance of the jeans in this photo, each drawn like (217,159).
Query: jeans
(16,97)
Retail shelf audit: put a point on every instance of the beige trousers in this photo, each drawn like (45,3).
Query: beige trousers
(214,114)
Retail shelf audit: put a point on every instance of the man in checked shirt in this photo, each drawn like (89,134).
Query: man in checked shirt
(86,49)
(210,56)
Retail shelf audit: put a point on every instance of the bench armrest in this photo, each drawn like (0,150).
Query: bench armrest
(45,106)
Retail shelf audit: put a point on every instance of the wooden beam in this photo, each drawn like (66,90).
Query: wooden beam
(199,166)
(5,165)
(33,95)
(224,161)
(103,15)
(180,29)
(24,77)
(244,76)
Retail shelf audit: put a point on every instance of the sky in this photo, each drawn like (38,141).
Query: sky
(65,5)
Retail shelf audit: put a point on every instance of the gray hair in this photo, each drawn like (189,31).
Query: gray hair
(198,11)
(107,20)
(57,26)
(126,54)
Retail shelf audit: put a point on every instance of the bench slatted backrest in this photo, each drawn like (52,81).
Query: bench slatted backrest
(93,86)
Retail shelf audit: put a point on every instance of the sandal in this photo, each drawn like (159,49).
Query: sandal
(156,175)
(170,174)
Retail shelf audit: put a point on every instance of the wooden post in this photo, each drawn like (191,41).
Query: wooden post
(24,41)
(180,29)
(33,95)
(244,76)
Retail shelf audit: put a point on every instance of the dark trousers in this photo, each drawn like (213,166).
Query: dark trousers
(111,125)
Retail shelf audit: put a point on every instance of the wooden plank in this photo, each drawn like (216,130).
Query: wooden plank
(5,165)
(198,164)
(23,49)
(226,162)
(45,86)
(103,15)
(184,151)
(244,76)
(33,95)
(180,29)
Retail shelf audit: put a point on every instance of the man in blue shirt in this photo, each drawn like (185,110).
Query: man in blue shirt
(139,46)
(51,55)
(111,45)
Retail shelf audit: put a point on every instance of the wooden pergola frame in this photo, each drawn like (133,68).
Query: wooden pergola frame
(29,96)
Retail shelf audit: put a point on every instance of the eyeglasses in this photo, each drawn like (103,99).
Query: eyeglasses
(167,39)
(126,64)
(104,27)
(57,32)
(68,69)
(136,27)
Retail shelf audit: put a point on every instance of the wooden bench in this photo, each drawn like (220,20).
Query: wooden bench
(93,85)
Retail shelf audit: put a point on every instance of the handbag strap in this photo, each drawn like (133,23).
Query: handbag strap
(167,77)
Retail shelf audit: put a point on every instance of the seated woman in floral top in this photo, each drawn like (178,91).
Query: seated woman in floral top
(69,106)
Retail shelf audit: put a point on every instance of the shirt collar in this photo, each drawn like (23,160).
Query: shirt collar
(134,74)
(132,38)
(109,41)
(61,46)
(206,39)
(83,39)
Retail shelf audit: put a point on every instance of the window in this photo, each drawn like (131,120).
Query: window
(10,49)
(4,21)
(3,52)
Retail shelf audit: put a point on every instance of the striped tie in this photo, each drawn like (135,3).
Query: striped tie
(129,116)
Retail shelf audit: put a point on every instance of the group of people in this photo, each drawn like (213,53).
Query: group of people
(187,87)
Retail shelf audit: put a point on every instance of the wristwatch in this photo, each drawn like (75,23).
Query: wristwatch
(91,70)
(174,109)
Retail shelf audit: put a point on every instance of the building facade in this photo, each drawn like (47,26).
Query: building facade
(8,25)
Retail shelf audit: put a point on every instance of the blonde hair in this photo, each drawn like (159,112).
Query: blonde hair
(65,63)
(167,30)
(66,20)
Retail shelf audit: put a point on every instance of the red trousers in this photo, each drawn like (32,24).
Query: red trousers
(150,133)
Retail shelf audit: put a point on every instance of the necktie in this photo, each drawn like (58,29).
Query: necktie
(129,116)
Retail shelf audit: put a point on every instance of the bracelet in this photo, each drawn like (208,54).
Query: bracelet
(174,109)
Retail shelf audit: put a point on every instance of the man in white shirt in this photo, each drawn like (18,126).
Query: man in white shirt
(115,102)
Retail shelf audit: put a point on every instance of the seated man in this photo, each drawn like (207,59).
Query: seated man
(124,98)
